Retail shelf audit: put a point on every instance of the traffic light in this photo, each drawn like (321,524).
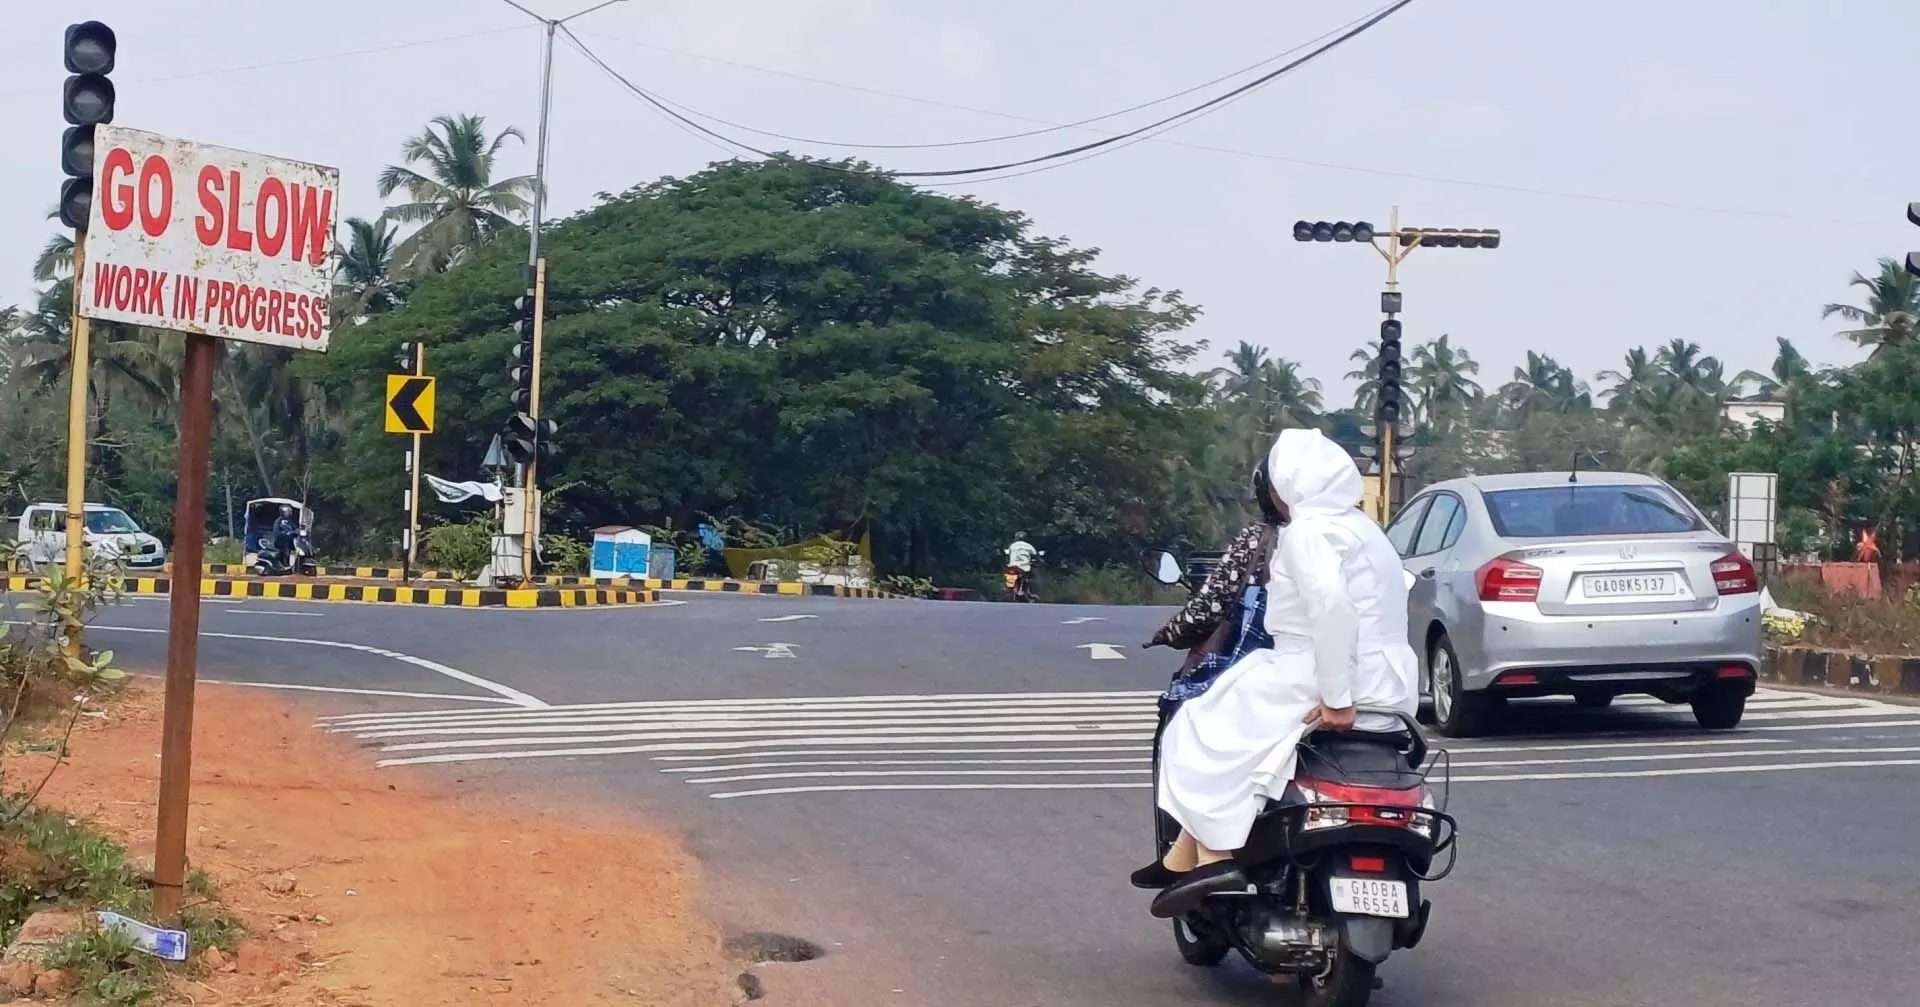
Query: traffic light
(1913,258)
(1449,237)
(526,438)
(1339,230)
(522,372)
(86,101)
(1387,369)
(405,356)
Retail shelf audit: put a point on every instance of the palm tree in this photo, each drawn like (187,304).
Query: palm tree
(56,256)
(1544,384)
(456,201)
(1789,368)
(1635,386)
(1443,381)
(1892,311)
(1366,377)
(364,283)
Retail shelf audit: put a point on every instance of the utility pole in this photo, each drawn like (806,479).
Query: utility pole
(412,561)
(1394,245)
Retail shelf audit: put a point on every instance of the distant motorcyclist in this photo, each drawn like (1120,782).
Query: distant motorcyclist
(1020,557)
(284,531)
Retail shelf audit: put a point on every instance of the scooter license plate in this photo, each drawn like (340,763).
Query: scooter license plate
(1369,897)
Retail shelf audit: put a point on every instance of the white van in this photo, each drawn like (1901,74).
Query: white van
(110,533)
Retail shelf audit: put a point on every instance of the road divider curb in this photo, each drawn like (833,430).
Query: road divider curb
(1881,675)
(353,572)
(450,597)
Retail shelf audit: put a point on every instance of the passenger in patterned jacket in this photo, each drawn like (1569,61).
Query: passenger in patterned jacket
(1190,627)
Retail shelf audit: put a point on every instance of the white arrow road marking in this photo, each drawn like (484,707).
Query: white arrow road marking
(788,618)
(1083,620)
(772,650)
(1102,651)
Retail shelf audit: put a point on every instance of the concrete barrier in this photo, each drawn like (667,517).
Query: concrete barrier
(1840,669)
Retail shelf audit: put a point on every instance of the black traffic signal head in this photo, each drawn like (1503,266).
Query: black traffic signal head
(1913,258)
(526,438)
(76,202)
(1338,230)
(86,100)
(405,355)
(1450,237)
(1387,372)
(90,47)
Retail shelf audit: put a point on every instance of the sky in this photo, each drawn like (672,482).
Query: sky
(1713,170)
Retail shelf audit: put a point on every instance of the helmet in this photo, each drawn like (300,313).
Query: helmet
(286,510)
(1022,536)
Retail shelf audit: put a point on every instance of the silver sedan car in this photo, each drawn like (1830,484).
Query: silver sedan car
(1588,584)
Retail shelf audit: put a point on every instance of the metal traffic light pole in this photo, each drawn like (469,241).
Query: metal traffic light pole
(532,501)
(87,100)
(1398,245)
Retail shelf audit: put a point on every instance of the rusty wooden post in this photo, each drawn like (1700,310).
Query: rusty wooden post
(183,627)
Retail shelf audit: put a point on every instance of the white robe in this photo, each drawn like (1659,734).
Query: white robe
(1337,610)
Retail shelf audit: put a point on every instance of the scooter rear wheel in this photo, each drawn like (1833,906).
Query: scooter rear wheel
(1199,947)
(1348,984)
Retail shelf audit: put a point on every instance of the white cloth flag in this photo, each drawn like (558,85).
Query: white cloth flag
(453,492)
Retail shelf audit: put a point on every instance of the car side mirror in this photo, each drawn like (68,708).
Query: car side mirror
(1164,567)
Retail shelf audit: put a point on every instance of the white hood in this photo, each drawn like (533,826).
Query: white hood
(1312,474)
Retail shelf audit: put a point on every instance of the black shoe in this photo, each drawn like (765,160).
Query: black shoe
(1154,876)
(1185,895)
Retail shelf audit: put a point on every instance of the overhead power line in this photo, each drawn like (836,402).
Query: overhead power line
(1047,128)
(1546,192)
(1178,118)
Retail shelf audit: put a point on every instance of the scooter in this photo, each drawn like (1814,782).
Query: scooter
(272,562)
(1334,865)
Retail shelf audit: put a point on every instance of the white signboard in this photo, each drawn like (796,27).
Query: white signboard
(204,239)
(1751,509)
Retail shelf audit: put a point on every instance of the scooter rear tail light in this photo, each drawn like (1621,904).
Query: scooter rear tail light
(1357,805)
(1370,865)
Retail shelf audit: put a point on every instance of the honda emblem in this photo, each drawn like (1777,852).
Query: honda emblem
(1626,552)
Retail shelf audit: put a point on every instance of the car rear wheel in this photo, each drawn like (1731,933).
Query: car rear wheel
(1456,712)
(1719,708)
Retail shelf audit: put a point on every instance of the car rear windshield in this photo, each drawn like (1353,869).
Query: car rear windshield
(1574,509)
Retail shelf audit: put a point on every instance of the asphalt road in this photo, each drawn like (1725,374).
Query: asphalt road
(949,796)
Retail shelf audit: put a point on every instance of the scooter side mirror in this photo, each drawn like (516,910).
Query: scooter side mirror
(1163,567)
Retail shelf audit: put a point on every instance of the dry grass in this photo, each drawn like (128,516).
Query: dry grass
(1888,626)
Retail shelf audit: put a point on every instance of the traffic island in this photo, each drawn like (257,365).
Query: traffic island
(387,594)
(1848,671)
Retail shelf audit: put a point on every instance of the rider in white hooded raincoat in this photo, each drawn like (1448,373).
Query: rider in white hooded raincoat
(1337,610)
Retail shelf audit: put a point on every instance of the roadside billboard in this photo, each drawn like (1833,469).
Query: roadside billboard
(205,239)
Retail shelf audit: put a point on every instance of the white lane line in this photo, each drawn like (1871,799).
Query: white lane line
(1812,714)
(912,773)
(812,702)
(949,734)
(1913,721)
(883,787)
(483,723)
(725,746)
(1050,750)
(853,763)
(1691,771)
(829,788)
(1068,700)
(788,618)
(515,696)
(746,724)
(356,692)
(852,768)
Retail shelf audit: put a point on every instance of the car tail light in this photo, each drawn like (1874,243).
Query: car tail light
(1735,671)
(1733,574)
(1503,579)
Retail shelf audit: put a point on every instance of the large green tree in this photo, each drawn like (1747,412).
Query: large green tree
(816,345)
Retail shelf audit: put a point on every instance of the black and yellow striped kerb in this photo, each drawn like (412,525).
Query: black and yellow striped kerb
(724,586)
(354,572)
(455,597)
